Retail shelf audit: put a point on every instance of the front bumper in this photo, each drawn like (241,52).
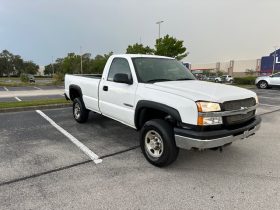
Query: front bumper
(190,139)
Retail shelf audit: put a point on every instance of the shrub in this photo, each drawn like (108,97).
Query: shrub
(58,79)
(24,78)
(250,80)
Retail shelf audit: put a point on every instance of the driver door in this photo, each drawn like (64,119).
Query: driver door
(116,100)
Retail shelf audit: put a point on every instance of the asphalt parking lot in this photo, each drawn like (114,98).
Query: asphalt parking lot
(41,168)
(30,98)
(27,89)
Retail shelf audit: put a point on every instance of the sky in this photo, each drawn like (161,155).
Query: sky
(212,30)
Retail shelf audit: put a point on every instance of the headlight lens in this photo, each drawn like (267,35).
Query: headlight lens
(209,120)
(208,106)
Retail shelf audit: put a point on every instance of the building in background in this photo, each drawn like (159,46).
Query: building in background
(40,71)
(270,63)
(241,68)
(235,68)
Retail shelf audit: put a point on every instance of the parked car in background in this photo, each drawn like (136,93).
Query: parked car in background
(31,78)
(211,78)
(200,77)
(264,82)
(224,79)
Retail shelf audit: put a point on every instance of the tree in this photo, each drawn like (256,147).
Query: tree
(250,72)
(71,64)
(6,62)
(171,47)
(98,63)
(10,64)
(30,67)
(48,69)
(139,49)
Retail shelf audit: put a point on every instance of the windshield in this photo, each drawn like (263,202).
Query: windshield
(151,70)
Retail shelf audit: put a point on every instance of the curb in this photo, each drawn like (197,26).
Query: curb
(30,108)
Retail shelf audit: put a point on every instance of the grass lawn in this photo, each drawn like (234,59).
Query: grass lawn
(33,103)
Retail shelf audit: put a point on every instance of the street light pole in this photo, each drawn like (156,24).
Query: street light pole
(52,67)
(81,59)
(274,59)
(159,22)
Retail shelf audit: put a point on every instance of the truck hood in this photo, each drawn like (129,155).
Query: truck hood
(203,91)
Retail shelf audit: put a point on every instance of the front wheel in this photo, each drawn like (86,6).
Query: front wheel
(80,112)
(262,85)
(157,143)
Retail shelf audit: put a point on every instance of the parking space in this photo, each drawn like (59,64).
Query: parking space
(32,98)
(50,87)
(40,167)
(26,88)
(30,145)
(269,97)
(2,89)
(8,99)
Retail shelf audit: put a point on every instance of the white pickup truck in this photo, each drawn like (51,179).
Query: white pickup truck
(161,98)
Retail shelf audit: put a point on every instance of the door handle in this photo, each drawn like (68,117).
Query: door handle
(105,88)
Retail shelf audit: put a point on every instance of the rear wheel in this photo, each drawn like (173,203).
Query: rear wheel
(80,112)
(157,143)
(262,84)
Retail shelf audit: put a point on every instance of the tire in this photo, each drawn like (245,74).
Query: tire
(80,113)
(157,143)
(262,84)
(217,81)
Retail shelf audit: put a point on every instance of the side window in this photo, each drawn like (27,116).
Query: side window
(119,65)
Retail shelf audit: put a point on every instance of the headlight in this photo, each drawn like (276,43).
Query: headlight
(209,120)
(257,99)
(208,106)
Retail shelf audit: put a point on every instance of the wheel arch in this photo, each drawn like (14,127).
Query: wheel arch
(146,110)
(75,92)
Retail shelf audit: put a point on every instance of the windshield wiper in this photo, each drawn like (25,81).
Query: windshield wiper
(158,80)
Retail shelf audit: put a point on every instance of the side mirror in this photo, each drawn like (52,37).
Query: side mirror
(122,78)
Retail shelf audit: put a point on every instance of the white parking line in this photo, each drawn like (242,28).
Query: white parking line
(269,105)
(37,88)
(18,99)
(269,97)
(269,94)
(6,88)
(80,145)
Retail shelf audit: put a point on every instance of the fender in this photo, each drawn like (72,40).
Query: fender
(141,105)
(76,88)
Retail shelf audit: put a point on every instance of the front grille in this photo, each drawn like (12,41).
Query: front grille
(236,105)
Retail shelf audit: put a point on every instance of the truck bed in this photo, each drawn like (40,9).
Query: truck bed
(95,76)
(88,84)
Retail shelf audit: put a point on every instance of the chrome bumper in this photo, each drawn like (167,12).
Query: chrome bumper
(190,143)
